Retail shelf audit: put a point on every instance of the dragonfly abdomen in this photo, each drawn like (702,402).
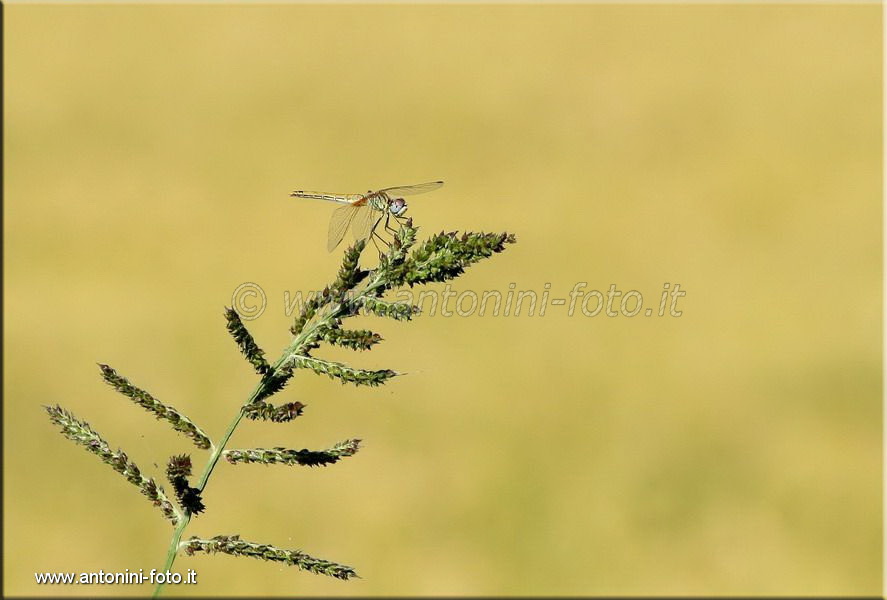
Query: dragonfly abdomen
(349,198)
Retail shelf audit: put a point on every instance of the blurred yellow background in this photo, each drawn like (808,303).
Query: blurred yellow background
(735,150)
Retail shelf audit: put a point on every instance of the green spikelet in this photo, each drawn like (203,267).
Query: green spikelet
(245,342)
(344,373)
(283,456)
(399,311)
(350,273)
(356,339)
(162,411)
(263,411)
(234,546)
(309,310)
(444,256)
(178,470)
(81,433)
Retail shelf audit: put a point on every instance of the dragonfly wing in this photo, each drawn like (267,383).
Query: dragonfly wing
(366,219)
(411,190)
(339,223)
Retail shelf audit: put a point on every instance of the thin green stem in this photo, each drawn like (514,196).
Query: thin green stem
(204,478)
(296,345)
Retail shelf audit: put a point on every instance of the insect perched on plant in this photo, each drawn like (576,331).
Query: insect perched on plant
(364,212)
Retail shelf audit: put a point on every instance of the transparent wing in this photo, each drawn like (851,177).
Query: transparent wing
(410,190)
(366,219)
(339,223)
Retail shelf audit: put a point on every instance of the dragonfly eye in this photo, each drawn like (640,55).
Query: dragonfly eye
(398,206)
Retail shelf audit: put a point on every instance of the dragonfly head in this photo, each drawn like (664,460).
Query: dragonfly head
(397,206)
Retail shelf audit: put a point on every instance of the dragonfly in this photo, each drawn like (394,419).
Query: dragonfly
(364,212)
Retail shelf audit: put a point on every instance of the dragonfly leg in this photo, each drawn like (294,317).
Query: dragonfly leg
(388,226)
(376,244)
(375,236)
(381,239)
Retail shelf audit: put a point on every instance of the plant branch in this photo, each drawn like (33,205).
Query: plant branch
(281,369)
(442,257)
